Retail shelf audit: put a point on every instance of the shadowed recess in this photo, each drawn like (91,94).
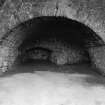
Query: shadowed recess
(40,29)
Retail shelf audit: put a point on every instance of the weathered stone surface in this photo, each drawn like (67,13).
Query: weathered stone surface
(38,53)
(61,52)
(87,12)
(98,58)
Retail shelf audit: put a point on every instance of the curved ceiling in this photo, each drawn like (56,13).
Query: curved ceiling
(87,12)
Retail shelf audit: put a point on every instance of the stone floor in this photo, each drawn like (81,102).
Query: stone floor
(46,84)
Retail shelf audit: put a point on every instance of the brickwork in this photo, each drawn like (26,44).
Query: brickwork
(62,53)
(98,58)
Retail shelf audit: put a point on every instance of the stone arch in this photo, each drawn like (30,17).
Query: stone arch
(10,42)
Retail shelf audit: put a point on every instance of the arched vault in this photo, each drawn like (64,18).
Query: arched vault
(19,22)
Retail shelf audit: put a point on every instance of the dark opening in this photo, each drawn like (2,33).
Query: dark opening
(62,28)
(48,29)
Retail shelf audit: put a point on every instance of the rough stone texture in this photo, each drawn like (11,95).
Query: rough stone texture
(66,56)
(88,12)
(62,53)
(7,58)
(8,49)
(35,53)
(98,58)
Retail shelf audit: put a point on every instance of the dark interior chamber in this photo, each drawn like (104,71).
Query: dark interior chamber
(67,31)
(62,28)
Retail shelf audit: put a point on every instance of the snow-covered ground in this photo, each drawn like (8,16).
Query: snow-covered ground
(52,88)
